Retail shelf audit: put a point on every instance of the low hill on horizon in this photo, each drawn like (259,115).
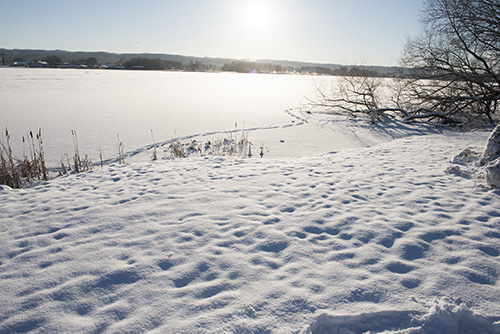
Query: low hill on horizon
(113,58)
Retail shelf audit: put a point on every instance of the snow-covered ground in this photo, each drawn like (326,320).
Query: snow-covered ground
(385,230)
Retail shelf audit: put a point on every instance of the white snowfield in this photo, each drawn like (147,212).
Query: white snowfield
(398,237)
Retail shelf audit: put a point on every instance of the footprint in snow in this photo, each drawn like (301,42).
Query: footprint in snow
(437,235)
(165,264)
(491,251)
(412,252)
(273,246)
(116,278)
(211,291)
(480,278)
(188,277)
(399,268)
(411,283)
(313,230)
(288,209)
(388,241)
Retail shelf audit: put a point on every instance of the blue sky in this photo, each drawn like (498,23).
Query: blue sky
(327,31)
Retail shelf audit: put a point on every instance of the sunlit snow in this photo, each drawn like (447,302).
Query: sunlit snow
(349,229)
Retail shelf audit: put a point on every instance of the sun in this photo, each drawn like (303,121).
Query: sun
(257,15)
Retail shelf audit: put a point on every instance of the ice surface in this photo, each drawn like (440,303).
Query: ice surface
(101,104)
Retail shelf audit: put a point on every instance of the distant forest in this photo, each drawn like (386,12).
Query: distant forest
(148,61)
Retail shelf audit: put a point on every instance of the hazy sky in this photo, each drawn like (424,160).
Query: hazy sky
(371,32)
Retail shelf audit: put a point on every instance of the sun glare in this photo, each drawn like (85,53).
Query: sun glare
(257,15)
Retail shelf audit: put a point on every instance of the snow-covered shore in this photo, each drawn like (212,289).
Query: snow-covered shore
(386,238)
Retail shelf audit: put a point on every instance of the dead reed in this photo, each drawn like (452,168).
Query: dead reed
(234,145)
(20,172)
(80,164)
(15,172)
(155,155)
(121,154)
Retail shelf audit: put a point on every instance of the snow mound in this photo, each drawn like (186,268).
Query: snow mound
(466,156)
(491,158)
(485,166)
(443,317)
(492,173)
(467,164)
(492,149)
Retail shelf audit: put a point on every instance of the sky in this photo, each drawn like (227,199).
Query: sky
(369,32)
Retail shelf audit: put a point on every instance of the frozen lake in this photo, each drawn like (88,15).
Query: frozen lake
(101,104)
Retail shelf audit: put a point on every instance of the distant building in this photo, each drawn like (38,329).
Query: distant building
(38,64)
(21,64)
(113,66)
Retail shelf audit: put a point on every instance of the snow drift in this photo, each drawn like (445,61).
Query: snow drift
(443,317)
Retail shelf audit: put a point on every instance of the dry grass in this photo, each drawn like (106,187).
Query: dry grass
(80,164)
(234,145)
(155,154)
(20,172)
(121,154)
(16,172)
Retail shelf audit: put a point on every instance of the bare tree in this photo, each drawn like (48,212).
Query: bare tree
(455,62)
(453,70)
(356,96)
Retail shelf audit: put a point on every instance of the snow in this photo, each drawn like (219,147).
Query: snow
(491,157)
(443,317)
(492,149)
(393,231)
(101,104)
(492,173)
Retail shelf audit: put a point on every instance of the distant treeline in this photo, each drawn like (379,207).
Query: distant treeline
(153,64)
(249,67)
(65,59)
(343,71)
(253,67)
